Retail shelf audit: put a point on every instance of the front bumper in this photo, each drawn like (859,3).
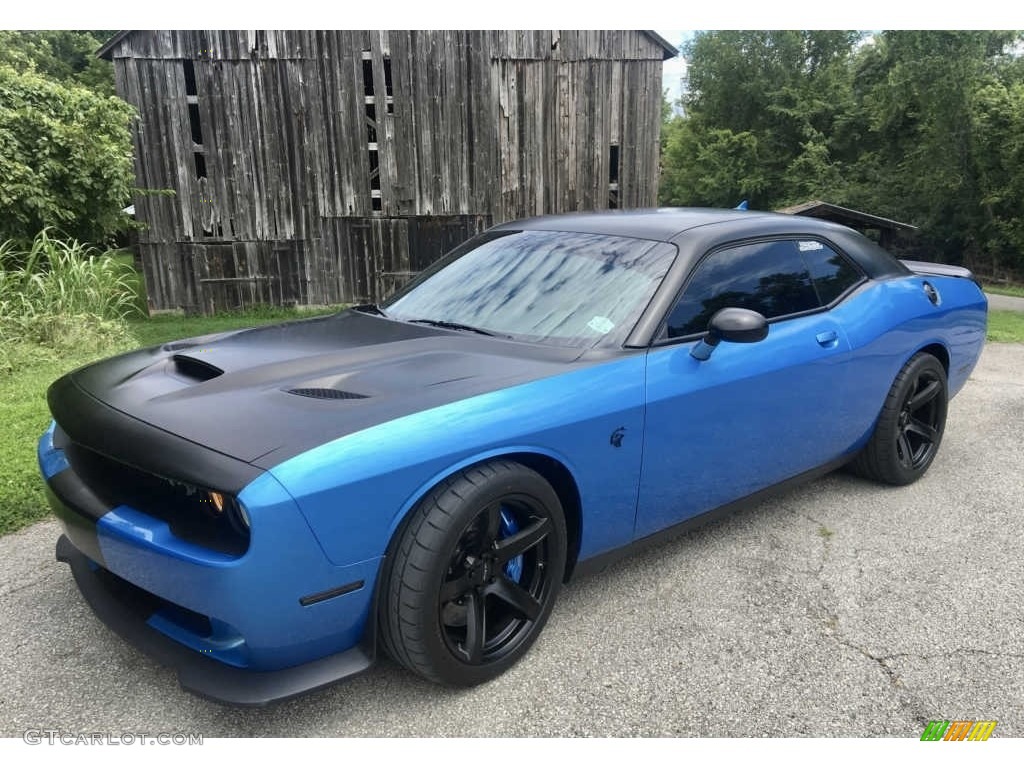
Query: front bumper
(270,623)
(126,609)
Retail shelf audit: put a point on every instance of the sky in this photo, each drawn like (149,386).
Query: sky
(674,68)
(523,14)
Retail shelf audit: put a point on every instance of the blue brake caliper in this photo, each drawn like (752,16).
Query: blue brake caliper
(514,567)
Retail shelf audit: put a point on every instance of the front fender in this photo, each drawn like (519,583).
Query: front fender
(356,490)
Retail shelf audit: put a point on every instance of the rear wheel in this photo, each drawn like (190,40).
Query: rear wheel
(475,574)
(910,426)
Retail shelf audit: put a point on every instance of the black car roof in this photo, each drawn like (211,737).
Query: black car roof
(648,223)
(645,223)
(695,230)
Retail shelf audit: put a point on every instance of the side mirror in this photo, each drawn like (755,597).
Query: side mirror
(742,326)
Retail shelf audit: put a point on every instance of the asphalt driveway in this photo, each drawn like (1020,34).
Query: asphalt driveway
(840,609)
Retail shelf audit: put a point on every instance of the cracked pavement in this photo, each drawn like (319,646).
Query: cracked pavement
(840,609)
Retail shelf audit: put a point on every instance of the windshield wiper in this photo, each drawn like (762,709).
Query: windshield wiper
(370,309)
(452,326)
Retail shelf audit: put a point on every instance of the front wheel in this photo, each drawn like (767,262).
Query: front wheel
(910,426)
(475,574)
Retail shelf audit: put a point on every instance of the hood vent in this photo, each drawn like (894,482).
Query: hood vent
(326,393)
(199,370)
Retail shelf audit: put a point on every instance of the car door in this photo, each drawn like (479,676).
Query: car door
(753,414)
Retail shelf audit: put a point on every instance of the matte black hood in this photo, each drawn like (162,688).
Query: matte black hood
(266,394)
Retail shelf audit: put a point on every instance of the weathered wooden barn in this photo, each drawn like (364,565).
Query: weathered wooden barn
(306,167)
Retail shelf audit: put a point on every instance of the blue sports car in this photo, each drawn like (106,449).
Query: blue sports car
(266,510)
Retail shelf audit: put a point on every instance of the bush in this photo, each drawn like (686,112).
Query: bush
(65,159)
(62,295)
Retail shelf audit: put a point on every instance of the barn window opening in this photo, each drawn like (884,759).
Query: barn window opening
(613,176)
(375,201)
(387,75)
(193,123)
(371,123)
(370,99)
(374,169)
(367,74)
(190,77)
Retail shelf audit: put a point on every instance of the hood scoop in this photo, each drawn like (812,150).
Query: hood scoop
(326,393)
(195,369)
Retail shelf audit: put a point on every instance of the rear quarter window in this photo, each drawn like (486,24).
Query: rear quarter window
(832,273)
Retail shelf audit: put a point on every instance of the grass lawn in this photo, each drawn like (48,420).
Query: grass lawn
(1006,289)
(24,415)
(161,328)
(1005,325)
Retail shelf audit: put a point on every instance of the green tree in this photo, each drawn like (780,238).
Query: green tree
(715,168)
(66,55)
(919,91)
(780,96)
(65,159)
(923,127)
(999,161)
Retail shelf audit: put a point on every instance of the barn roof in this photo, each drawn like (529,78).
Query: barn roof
(670,50)
(106,50)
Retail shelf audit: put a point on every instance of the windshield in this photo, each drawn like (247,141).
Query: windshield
(562,288)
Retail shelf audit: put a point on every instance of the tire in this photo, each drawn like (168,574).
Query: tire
(474,575)
(910,426)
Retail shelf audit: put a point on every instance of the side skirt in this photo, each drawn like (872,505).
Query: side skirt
(601,561)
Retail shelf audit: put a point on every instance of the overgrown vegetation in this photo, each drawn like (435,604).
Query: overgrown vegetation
(59,295)
(62,304)
(65,56)
(923,127)
(65,143)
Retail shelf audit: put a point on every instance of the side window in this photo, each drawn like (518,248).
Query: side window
(771,278)
(833,274)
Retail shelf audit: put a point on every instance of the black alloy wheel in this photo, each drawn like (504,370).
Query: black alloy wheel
(474,575)
(910,426)
(919,426)
(498,580)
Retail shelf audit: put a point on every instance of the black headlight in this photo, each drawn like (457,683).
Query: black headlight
(222,505)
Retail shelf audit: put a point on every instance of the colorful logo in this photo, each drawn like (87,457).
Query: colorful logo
(958,730)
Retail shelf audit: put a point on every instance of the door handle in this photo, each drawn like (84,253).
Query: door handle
(828,338)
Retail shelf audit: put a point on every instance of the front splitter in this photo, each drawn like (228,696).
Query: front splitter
(125,609)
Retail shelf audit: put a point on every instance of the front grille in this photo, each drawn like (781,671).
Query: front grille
(185,509)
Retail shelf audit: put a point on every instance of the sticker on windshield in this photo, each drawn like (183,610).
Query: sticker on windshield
(601,324)
(810,245)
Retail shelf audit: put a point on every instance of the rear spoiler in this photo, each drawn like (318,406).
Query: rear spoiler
(943,270)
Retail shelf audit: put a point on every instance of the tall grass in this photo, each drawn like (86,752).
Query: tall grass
(62,294)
